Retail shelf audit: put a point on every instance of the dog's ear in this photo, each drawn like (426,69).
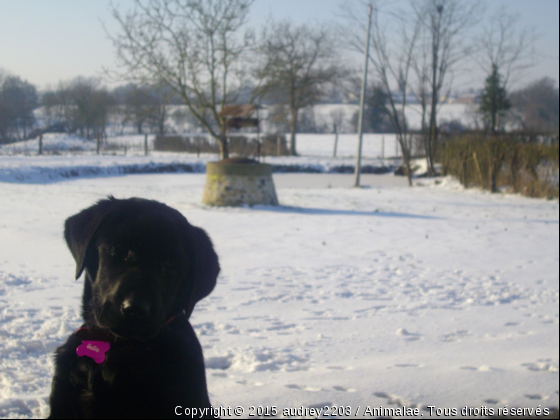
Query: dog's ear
(80,228)
(206,268)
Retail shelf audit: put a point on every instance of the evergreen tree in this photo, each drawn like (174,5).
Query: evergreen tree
(377,113)
(495,102)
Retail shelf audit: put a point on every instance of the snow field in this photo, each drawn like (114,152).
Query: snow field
(383,296)
(320,145)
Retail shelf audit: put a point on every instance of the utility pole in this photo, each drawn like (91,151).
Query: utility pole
(358,169)
(258,133)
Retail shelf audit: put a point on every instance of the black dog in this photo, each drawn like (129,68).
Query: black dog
(146,268)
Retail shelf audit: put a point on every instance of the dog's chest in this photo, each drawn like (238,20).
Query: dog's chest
(125,380)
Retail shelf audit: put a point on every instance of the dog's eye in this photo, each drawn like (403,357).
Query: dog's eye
(118,251)
(114,251)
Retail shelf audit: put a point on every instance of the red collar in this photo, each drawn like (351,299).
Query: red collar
(94,334)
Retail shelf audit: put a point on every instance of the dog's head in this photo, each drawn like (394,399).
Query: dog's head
(144,263)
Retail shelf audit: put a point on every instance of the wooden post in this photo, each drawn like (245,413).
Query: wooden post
(40,144)
(335,140)
(481,178)
(145,145)
(98,144)
(278,146)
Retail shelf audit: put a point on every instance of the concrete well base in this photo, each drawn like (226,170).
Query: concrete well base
(238,182)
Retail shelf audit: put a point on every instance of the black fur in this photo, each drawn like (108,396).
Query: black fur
(144,264)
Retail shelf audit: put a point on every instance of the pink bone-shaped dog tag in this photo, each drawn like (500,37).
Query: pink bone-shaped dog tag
(94,349)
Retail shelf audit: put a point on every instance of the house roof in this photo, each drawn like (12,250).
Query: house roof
(238,111)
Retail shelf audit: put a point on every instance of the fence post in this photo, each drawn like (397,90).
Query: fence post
(41,144)
(145,145)
(278,145)
(335,140)
(481,178)
(98,143)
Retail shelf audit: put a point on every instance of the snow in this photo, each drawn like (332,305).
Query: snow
(380,296)
(52,143)
(307,144)
(69,156)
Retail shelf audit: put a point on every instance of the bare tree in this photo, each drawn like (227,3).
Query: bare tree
(391,63)
(505,50)
(193,47)
(160,98)
(506,47)
(18,100)
(90,104)
(421,90)
(298,64)
(81,105)
(445,24)
(537,106)
(137,106)
(53,112)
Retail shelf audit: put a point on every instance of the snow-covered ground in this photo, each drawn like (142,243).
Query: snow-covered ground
(382,296)
(318,145)
(68,156)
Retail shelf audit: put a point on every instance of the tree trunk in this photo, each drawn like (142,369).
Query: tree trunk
(494,112)
(433,137)
(406,159)
(223,143)
(293,130)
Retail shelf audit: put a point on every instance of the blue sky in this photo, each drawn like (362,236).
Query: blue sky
(45,41)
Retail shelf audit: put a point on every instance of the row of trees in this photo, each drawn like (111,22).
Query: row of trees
(85,107)
(196,49)
(195,53)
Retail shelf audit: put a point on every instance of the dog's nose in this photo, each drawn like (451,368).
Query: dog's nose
(135,308)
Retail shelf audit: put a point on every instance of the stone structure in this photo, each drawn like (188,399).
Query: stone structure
(238,182)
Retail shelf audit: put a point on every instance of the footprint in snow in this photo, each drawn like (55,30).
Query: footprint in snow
(304,388)
(483,368)
(493,401)
(453,337)
(535,397)
(409,336)
(394,399)
(541,366)
(339,368)
(343,389)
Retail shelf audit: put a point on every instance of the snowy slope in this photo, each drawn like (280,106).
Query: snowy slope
(373,297)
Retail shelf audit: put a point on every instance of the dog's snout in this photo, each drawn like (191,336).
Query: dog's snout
(136,309)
